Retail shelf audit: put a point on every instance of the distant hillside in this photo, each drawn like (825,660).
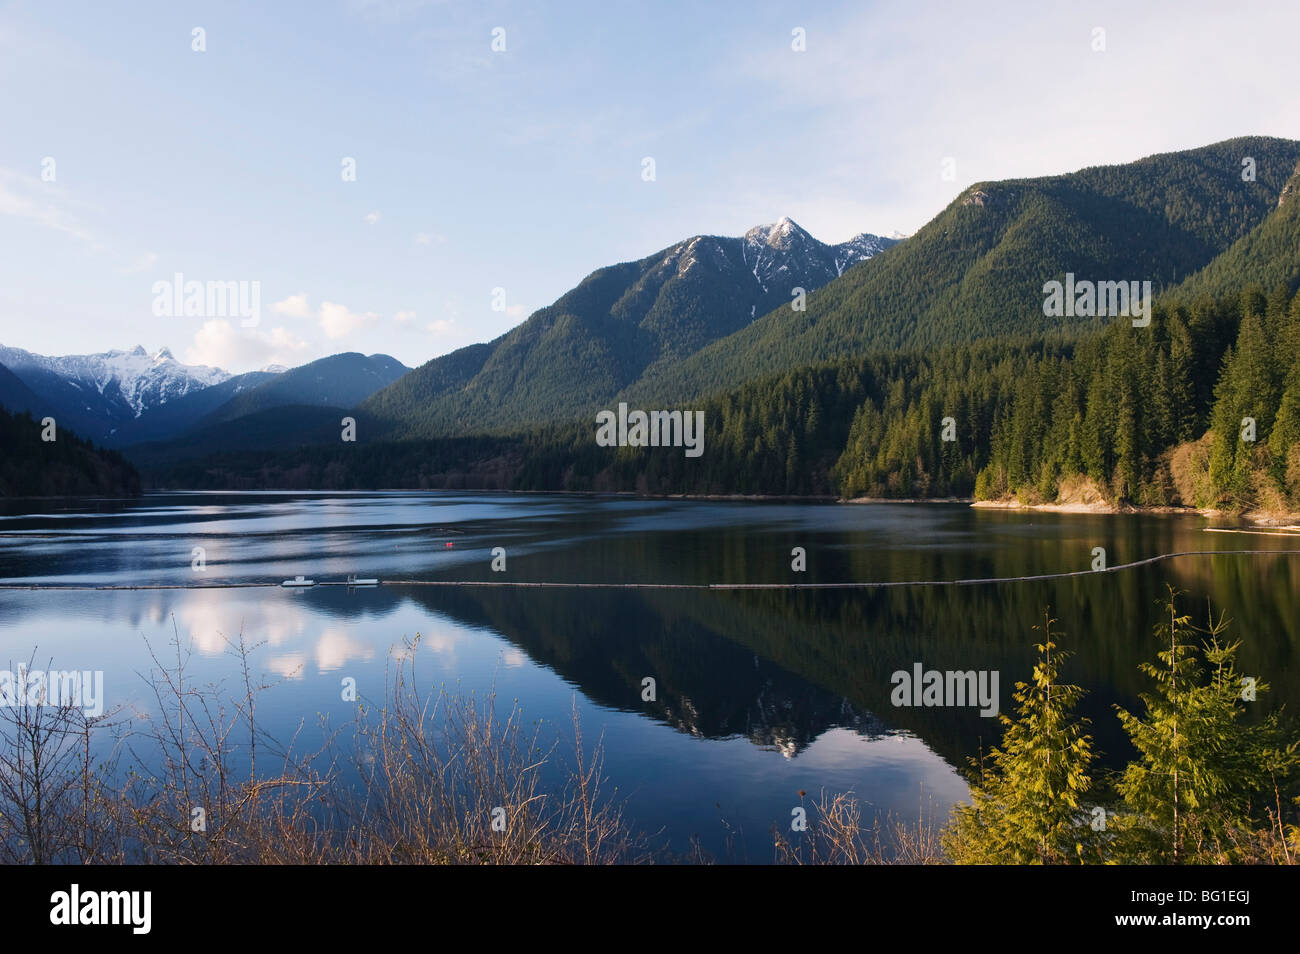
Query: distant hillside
(948,324)
(338,381)
(1148,416)
(263,410)
(16,395)
(977,269)
(276,428)
(1268,255)
(621,324)
(65,467)
(183,413)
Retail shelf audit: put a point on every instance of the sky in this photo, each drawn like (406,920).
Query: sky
(490,181)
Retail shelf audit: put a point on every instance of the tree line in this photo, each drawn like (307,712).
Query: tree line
(43,460)
(1200,408)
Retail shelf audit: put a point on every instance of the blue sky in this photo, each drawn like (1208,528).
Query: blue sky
(522,169)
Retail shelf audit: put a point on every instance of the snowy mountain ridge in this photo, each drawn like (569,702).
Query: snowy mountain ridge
(135,379)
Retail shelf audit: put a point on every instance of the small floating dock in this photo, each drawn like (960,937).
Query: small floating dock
(298,582)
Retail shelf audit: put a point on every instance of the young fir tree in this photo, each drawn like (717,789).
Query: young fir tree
(1026,806)
(1285,437)
(1200,788)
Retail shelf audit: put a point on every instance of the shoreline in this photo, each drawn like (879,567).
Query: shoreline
(1261,518)
(1277,519)
(908,500)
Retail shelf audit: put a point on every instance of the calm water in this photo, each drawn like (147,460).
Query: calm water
(760,693)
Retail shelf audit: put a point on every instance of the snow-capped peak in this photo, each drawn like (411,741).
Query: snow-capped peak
(132,378)
(784,254)
(782,234)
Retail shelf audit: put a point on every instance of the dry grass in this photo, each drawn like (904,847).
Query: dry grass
(444,778)
(835,836)
(447,780)
(418,777)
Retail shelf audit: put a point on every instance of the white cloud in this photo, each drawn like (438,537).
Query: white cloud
(337,321)
(429,238)
(404,316)
(441,327)
(220,344)
(882,95)
(295,306)
(372,218)
(288,665)
(335,648)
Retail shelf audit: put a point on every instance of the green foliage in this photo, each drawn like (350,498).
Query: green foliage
(1027,803)
(1096,410)
(1208,784)
(978,268)
(677,325)
(622,324)
(1267,256)
(1029,417)
(1202,781)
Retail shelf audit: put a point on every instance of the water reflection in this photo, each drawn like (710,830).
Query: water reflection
(757,693)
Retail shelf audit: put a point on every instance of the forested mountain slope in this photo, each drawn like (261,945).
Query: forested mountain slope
(978,268)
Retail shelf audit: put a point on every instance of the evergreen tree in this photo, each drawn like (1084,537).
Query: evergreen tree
(1198,785)
(1027,805)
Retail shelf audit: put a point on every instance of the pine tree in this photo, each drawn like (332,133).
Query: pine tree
(1225,422)
(1182,373)
(1027,806)
(1200,779)
(1096,436)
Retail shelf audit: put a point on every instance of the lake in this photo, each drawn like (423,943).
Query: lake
(759,693)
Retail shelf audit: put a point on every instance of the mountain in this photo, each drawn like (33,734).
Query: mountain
(1042,409)
(622,324)
(121,398)
(180,415)
(978,268)
(1268,255)
(17,396)
(262,410)
(95,394)
(339,381)
(266,430)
